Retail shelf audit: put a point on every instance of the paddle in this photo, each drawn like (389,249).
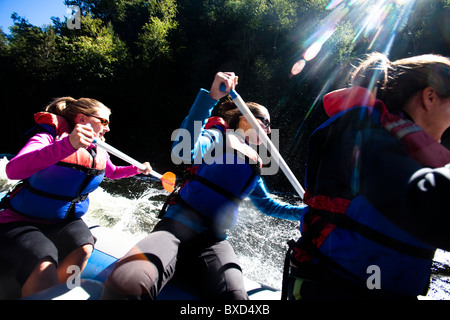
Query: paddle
(265,139)
(167,179)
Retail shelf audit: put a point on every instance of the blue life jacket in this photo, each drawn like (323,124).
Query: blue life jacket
(215,188)
(61,190)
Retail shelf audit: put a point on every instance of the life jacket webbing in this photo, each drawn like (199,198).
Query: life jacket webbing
(319,272)
(333,211)
(401,128)
(190,174)
(320,202)
(79,198)
(343,221)
(88,171)
(227,194)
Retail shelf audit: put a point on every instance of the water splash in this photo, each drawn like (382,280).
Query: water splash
(5,183)
(131,205)
(134,212)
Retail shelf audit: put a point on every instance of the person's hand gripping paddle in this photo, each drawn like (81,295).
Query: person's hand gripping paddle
(168,179)
(242,106)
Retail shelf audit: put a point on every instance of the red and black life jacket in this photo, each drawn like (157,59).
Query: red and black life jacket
(63,188)
(338,226)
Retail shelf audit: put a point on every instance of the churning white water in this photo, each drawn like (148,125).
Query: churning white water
(132,205)
(259,240)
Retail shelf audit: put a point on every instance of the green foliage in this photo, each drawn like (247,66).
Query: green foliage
(153,41)
(33,50)
(146,59)
(94,53)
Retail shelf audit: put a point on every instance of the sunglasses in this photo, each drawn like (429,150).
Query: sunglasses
(103,121)
(264,121)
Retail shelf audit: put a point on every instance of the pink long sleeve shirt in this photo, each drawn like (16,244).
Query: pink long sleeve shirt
(42,151)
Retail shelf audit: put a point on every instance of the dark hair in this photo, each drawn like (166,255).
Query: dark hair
(231,113)
(396,82)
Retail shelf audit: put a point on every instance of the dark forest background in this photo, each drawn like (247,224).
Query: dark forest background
(147,59)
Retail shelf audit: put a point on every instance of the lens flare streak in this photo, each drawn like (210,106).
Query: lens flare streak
(375,24)
(374,21)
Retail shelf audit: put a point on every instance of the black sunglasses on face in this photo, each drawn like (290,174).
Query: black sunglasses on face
(264,121)
(103,121)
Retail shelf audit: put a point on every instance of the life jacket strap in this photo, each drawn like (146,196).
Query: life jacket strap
(227,194)
(343,221)
(337,205)
(77,199)
(88,171)
(334,211)
(319,274)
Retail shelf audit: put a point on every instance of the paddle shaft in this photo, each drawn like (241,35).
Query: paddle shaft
(124,157)
(242,106)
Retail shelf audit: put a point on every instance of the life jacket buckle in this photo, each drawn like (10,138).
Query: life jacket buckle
(80,198)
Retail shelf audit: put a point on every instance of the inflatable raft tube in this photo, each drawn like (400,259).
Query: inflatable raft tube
(110,246)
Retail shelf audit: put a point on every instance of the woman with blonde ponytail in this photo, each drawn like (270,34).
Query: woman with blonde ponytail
(41,230)
(377,184)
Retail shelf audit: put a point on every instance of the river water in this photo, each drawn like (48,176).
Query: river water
(132,205)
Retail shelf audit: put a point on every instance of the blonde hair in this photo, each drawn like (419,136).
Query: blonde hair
(396,82)
(69,107)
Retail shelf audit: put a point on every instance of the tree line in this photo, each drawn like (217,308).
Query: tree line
(146,60)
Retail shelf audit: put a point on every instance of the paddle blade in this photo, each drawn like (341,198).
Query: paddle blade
(168,181)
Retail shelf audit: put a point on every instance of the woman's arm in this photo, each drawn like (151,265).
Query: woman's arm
(192,129)
(201,140)
(41,151)
(267,205)
(117,172)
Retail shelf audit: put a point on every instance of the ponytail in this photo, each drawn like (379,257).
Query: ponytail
(69,107)
(229,112)
(59,106)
